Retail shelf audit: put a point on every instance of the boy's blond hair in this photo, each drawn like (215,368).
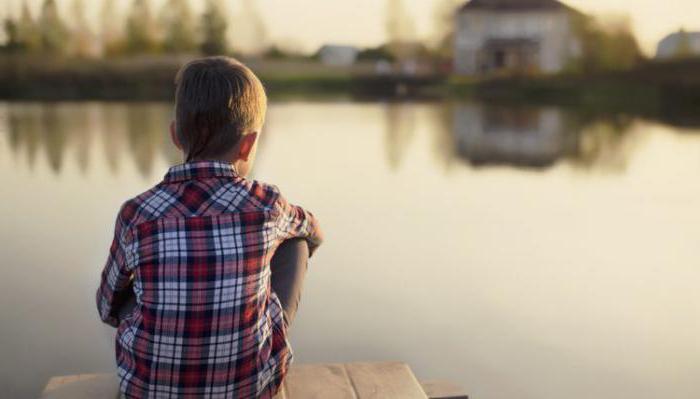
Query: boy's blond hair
(218,99)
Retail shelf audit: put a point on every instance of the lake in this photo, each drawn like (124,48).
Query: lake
(521,252)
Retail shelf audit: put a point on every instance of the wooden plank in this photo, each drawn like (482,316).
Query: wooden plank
(83,386)
(318,381)
(66,379)
(391,380)
(438,389)
(56,382)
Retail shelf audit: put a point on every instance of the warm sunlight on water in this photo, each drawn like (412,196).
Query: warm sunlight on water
(523,253)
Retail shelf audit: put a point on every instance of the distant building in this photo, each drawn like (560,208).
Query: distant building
(678,45)
(334,55)
(515,35)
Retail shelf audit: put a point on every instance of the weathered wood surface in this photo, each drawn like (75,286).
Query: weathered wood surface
(83,386)
(390,380)
(438,389)
(384,380)
(317,381)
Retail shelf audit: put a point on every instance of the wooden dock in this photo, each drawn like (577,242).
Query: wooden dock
(387,380)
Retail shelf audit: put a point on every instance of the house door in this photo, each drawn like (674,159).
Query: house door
(499,59)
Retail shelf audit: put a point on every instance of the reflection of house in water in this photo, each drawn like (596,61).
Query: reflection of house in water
(515,35)
(515,136)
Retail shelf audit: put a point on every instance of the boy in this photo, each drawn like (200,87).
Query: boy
(211,315)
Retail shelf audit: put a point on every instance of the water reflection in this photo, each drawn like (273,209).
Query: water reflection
(480,135)
(400,129)
(439,179)
(521,136)
(57,129)
(538,137)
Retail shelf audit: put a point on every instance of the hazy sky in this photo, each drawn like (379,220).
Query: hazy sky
(306,24)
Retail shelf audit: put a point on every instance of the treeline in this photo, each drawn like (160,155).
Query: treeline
(177,29)
(605,46)
(174,29)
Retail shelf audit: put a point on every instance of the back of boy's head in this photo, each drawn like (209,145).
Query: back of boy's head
(218,99)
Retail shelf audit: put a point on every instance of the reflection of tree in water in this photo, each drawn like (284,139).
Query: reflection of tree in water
(478,134)
(537,137)
(113,133)
(81,123)
(604,144)
(400,127)
(444,146)
(23,130)
(54,131)
(60,128)
(147,127)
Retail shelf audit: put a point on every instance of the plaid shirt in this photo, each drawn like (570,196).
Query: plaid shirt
(197,249)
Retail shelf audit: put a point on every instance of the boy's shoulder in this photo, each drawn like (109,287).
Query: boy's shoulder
(239,195)
(267,194)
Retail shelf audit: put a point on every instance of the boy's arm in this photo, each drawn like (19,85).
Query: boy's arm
(116,278)
(296,222)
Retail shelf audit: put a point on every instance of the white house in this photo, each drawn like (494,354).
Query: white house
(515,35)
(679,44)
(334,55)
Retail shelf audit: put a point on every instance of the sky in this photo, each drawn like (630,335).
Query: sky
(307,24)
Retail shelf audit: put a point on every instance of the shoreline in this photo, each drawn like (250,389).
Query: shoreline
(658,90)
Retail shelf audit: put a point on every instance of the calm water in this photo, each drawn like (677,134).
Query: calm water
(524,253)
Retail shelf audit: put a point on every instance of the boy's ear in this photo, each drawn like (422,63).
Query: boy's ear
(247,145)
(173,136)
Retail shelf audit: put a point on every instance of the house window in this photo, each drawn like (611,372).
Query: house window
(499,59)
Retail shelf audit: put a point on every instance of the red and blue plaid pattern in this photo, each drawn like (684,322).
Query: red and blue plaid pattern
(197,248)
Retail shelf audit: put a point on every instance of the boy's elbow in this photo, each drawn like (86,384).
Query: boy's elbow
(104,311)
(108,318)
(315,241)
(111,321)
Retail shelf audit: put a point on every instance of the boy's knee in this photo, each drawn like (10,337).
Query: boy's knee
(288,268)
(291,252)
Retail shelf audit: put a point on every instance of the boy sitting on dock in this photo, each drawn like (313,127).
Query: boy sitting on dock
(215,261)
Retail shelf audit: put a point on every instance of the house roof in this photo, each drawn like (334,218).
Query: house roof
(514,5)
(669,45)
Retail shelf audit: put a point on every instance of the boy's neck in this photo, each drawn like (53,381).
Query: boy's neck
(223,159)
(216,159)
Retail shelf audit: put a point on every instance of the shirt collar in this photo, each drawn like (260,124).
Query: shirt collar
(199,170)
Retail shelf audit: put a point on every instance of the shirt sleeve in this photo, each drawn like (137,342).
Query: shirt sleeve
(296,222)
(116,276)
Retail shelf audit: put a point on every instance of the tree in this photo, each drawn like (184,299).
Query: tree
(214,27)
(82,38)
(442,40)
(400,29)
(12,43)
(28,34)
(141,29)
(112,35)
(54,33)
(179,24)
(606,46)
(249,30)
(375,54)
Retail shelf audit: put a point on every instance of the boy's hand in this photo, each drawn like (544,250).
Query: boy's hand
(124,302)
